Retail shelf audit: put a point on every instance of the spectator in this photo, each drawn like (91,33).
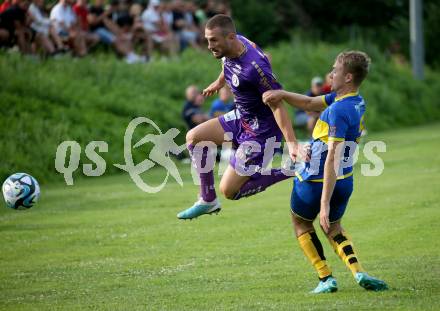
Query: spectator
(135,12)
(223,104)
(154,22)
(167,13)
(308,119)
(130,30)
(315,87)
(100,23)
(327,87)
(183,26)
(13,26)
(190,9)
(109,33)
(68,27)
(140,35)
(45,34)
(192,113)
(169,25)
(81,10)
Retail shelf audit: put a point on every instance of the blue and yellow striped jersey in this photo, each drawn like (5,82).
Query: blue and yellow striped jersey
(342,120)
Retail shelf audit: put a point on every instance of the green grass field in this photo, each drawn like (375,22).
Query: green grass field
(103,244)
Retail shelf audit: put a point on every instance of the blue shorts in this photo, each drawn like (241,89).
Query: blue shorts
(305,200)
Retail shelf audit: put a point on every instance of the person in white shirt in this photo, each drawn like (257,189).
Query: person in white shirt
(67,26)
(46,36)
(154,22)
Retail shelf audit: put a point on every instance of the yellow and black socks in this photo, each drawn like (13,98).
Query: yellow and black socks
(313,250)
(343,246)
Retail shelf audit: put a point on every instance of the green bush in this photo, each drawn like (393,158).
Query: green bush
(45,103)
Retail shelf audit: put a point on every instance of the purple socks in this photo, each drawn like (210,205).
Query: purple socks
(252,186)
(207,189)
(259,184)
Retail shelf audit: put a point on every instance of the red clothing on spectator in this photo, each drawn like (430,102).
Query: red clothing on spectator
(82,13)
(4,6)
(326,88)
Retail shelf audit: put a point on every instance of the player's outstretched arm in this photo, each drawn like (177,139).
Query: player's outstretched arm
(285,124)
(215,86)
(303,102)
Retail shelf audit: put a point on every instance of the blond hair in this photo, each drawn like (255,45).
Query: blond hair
(355,62)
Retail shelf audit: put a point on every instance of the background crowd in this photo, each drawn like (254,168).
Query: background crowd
(133,29)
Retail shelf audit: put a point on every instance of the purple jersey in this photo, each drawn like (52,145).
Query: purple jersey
(249,76)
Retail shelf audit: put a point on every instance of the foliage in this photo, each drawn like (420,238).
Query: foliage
(386,23)
(45,103)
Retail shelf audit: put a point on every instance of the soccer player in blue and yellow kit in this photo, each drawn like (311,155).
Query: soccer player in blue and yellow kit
(325,183)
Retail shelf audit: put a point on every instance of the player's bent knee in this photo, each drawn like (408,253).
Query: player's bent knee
(227,191)
(191,137)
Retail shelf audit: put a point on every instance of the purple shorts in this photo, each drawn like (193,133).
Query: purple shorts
(254,141)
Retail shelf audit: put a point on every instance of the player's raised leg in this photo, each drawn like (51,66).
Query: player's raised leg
(343,246)
(234,187)
(231,182)
(209,131)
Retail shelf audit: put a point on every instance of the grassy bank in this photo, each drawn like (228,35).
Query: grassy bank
(43,103)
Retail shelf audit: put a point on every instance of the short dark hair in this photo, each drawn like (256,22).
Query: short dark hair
(222,21)
(355,62)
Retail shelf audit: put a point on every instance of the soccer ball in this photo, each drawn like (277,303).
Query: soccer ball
(21,191)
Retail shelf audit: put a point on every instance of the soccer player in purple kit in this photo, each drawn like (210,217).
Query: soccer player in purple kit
(253,127)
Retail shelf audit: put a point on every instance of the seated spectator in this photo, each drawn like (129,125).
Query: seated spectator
(183,25)
(100,23)
(192,112)
(109,33)
(13,26)
(82,11)
(68,28)
(167,13)
(223,104)
(131,28)
(154,22)
(308,119)
(141,36)
(45,35)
